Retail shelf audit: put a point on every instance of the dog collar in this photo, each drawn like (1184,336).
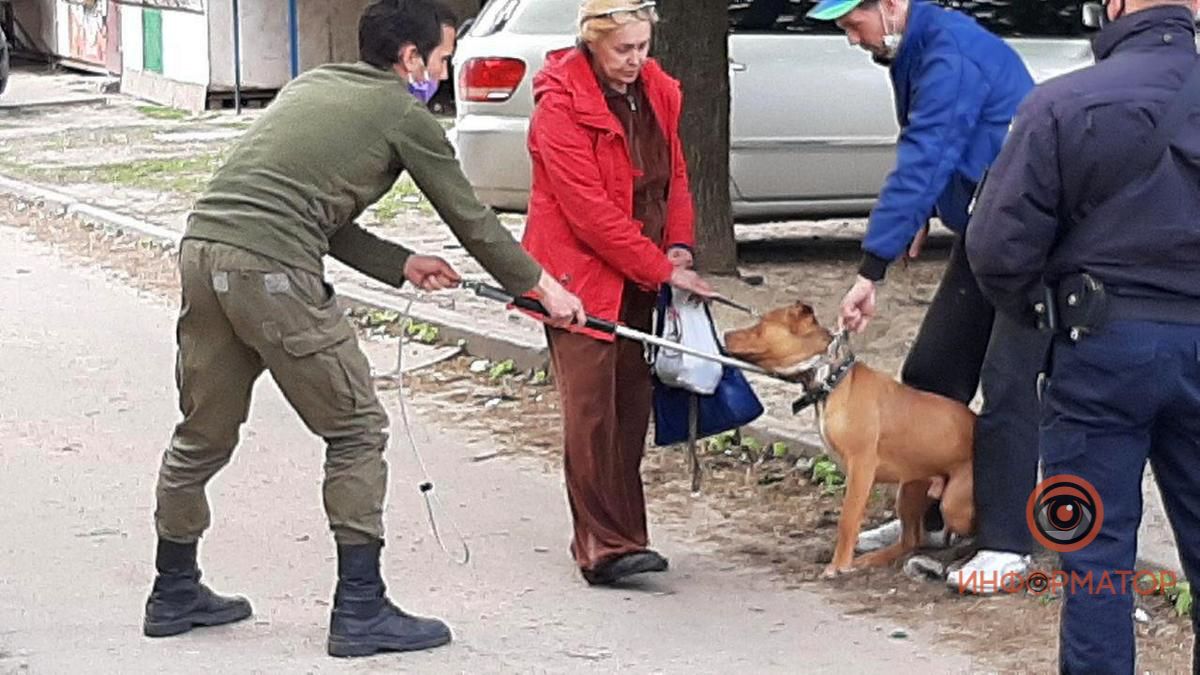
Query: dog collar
(801,372)
(821,390)
(817,385)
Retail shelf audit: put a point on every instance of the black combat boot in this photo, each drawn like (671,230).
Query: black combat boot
(179,602)
(364,621)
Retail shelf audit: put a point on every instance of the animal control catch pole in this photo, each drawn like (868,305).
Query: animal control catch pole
(610,327)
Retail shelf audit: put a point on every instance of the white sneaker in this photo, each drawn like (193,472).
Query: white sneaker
(889,533)
(990,572)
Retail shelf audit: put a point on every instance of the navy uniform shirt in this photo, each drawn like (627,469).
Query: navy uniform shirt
(1063,197)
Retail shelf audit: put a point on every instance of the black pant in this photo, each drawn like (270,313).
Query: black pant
(963,344)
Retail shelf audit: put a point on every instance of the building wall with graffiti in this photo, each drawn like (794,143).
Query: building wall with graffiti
(88,33)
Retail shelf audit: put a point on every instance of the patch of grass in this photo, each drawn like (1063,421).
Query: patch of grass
(162,113)
(179,174)
(423,332)
(826,474)
(502,369)
(403,196)
(1181,596)
(186,175)
(235,122)
(379,318)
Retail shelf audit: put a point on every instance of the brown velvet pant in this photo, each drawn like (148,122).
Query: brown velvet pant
(606,395)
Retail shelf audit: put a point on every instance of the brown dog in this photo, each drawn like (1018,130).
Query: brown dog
(878,429)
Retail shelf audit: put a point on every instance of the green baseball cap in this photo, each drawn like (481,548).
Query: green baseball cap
(832,10)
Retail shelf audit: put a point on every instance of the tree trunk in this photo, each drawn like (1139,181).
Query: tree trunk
(691,42)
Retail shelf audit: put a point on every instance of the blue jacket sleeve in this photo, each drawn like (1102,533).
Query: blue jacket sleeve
(1016,219)
(946,105)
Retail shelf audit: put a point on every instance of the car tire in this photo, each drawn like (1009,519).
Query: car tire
(3,61)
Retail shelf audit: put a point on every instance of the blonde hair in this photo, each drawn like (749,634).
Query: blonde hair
(593,28)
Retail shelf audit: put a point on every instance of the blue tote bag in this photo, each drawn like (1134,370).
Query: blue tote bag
(734,404)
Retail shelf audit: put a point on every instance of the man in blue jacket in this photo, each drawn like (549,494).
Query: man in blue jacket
(956,87)
(1096,197)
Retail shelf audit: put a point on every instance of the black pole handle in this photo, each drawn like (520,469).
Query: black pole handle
(531,305)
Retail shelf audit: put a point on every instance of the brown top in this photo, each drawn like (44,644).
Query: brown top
(650,154)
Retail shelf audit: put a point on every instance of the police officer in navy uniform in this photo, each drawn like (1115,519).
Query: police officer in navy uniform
(1089,224)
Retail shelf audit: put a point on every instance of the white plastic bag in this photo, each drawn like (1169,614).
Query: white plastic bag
(687,322)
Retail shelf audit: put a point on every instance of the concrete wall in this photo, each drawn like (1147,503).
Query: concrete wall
(329,31)
(131,38)
(184,44)
(38,18)
(197,48)
(266,61)
(180,78)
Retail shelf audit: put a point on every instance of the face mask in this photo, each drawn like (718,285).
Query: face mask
(891,41)
(423,90)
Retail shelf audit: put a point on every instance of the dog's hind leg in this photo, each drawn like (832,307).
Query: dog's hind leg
(911,503)
(958,501)
(860,476)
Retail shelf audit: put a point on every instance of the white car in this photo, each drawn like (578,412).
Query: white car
(813,126)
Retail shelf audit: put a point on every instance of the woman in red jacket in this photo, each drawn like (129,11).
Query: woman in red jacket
(610,216)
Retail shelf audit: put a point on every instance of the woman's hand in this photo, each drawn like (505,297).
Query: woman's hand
(564,307)
(691,282)
(680,257)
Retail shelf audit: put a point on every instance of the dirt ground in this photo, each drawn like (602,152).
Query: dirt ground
(758,516)
(86,403)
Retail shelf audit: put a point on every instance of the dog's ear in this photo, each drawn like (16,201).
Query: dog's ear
(800,318)
(800,310)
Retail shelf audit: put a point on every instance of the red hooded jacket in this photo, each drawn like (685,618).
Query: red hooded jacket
(580,225)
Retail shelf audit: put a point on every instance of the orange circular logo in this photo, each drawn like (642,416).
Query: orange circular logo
(1064,513)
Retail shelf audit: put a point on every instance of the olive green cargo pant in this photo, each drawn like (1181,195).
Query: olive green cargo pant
(242,314)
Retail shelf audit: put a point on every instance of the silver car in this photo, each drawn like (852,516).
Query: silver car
(813,124)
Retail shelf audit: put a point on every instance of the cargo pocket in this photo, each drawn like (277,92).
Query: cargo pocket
(318,381)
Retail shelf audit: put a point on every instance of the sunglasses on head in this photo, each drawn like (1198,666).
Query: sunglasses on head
(643,10)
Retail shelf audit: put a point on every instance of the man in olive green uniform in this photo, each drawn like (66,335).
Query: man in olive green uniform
(254,299)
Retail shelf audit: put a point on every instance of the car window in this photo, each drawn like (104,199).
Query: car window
(493,17)
(1007,18)
(1025,18)
(776,16)
(531,17)
(547,17)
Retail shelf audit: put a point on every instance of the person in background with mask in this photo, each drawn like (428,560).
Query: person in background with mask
(254,298)
(957,87)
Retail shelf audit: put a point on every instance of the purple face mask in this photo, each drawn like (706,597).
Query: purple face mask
(424,91)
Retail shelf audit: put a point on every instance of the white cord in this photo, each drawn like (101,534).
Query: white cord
(426,485)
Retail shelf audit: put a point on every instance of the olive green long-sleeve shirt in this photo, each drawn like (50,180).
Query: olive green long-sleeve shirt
(332,143)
